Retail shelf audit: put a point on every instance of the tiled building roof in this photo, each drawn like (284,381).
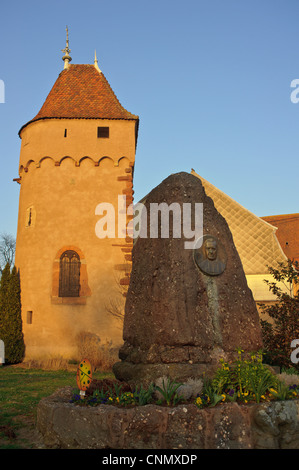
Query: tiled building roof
(254,238)
(287,233)
(82,92)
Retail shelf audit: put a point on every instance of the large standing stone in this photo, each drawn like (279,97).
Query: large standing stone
(184,310)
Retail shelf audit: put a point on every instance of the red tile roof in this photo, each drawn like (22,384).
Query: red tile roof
(287,233)
(82,92)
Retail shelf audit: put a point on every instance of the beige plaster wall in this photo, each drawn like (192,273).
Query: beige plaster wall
(46,138)
(260,289)
(64,199)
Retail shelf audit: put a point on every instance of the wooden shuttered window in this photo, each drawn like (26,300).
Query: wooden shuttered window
(69,274)
(103,132)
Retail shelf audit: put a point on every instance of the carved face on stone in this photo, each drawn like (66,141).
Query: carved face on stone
(210,247)
(211,256)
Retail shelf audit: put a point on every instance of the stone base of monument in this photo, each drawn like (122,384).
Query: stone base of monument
(145,374)
(178,363)
(64,425)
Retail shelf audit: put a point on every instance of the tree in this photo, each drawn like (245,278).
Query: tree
(7,250)
(10,315)
(4,302)
(283,327)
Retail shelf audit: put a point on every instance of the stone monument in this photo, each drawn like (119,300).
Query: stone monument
(185,308)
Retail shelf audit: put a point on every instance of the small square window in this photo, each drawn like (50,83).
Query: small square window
(29,317)
(103,132)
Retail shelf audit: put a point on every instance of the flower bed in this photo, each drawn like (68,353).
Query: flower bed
(268,425)
(244,381)
(244,406)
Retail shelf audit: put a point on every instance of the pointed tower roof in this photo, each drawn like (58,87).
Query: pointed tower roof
(82,92)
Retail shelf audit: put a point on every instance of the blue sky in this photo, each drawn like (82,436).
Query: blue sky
(210,81)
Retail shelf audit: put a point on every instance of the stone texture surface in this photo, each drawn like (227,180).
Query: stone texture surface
(228,426)
(178,320)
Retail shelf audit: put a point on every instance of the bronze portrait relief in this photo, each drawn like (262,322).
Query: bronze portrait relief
(210,257)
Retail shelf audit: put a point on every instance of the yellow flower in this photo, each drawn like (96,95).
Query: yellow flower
(223,397)
(199,402)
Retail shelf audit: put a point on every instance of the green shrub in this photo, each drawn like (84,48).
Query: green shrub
(143,396)
(283,326)
(245,380)
(10,315)
(169,392)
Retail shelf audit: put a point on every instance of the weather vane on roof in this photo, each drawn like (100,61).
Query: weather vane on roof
(66,58)
(96,62)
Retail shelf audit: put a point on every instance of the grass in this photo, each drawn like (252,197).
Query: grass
(20,392)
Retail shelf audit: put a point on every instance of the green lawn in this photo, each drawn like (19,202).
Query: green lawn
(20,392)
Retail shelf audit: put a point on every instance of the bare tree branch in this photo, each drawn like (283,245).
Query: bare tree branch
(7,250)
(115,306)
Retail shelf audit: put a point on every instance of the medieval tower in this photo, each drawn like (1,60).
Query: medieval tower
(76,153)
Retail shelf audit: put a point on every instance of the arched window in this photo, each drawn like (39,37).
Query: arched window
(69,274)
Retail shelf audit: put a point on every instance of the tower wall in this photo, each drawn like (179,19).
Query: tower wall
(63,179)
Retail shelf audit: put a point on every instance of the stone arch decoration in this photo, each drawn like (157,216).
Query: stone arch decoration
(123,161)
(47,158)
(67,158)
(30,162)
(106,160)
(70,261)
(86,159)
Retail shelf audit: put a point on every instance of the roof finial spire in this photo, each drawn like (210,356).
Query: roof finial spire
(66,58)
(96,62)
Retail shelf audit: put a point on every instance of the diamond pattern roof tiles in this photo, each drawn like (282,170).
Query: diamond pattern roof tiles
(254,238)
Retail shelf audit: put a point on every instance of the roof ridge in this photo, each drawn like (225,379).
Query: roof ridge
(287,216)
